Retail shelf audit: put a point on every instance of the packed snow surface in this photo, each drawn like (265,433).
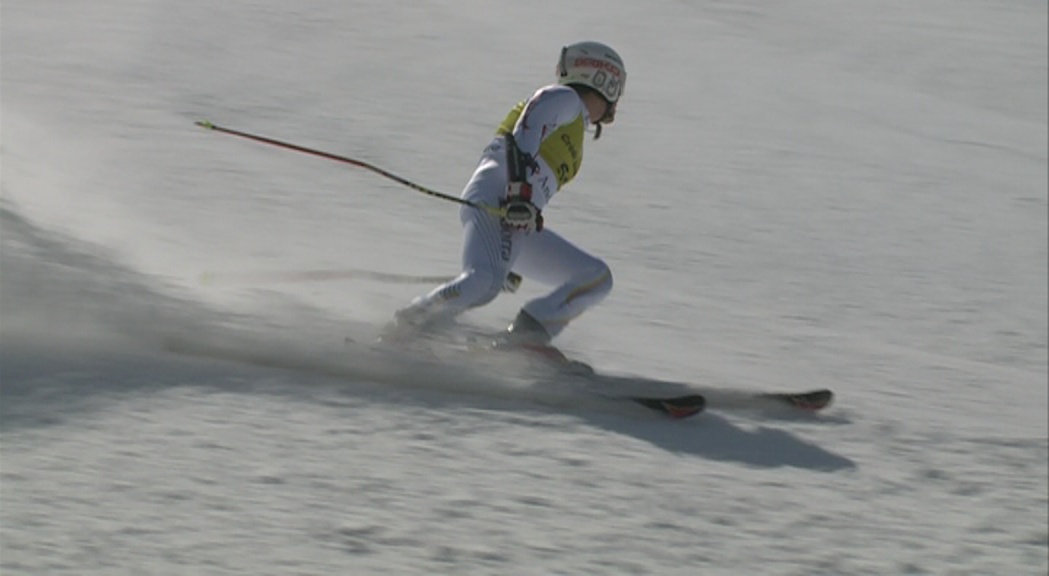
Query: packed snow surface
(795,195)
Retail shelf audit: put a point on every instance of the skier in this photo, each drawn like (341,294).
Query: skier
(537,150)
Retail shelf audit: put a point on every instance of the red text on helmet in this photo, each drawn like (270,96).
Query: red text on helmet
(586,62)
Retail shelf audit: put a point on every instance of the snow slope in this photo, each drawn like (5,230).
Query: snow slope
(795,195)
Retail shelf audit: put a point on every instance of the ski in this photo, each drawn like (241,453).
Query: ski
(677,407)
(676,400)
(811,401)
(803,401)
(671,397)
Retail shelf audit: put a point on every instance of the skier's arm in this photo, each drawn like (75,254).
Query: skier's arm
(545,112)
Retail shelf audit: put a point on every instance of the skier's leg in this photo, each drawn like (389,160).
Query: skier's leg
(581,280)
(486,258)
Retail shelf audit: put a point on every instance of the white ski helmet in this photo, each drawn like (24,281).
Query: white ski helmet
(595,65)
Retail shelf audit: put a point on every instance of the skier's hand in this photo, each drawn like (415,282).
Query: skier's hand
(512,282)
(522,215)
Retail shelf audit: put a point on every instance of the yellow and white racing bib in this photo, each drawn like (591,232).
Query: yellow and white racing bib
(550,127)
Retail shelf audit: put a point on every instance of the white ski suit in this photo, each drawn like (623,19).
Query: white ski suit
(549,127)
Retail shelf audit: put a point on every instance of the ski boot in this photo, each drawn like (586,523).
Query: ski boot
(527,336)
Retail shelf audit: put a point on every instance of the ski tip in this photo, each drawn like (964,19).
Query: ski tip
(811,401)
(205,124)
(816,400)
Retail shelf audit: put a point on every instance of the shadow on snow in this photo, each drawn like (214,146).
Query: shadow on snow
(98,331)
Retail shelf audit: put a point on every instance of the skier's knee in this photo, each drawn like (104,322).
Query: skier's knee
(602,278)
(607,274)
(479,287)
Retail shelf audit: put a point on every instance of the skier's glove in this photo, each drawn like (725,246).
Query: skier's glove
(522,215)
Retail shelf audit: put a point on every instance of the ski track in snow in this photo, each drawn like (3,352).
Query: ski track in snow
(811,194)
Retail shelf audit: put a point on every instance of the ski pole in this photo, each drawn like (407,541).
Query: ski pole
(500,212)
